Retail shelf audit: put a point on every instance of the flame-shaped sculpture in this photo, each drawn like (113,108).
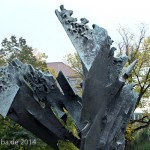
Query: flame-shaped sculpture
(101,115)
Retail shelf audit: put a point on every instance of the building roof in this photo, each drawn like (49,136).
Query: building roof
(60,66)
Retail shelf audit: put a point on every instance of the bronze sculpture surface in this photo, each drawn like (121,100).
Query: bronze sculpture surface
(101,115)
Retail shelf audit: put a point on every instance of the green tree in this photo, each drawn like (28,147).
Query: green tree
(73,60)
(9,130)
(138,47)
(14,48)
(52,71)
(142,140)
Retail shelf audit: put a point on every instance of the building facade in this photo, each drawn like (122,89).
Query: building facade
(70,74)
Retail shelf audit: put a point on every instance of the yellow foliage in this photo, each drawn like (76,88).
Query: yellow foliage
(66,145)
(52,71)
(129,133)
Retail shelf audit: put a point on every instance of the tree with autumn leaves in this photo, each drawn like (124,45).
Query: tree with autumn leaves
(138,47)
(10,49)
(13,48)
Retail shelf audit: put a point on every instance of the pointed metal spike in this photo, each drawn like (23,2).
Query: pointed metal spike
(129,69)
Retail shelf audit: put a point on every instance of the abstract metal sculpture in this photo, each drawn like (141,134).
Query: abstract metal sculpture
(29,96)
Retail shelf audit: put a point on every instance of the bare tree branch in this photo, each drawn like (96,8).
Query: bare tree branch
(143,121)
(140,120)
(141,127)
(147,75)
(139,82)
(146,88)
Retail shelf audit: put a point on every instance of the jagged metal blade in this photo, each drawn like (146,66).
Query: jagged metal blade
(103,77)
(6,98)
(20,113)
(8,89)
(40,121)
(102,86)
(71,101)
(16,73)
(108,127)
(86,41)
(129,69)
(65,85)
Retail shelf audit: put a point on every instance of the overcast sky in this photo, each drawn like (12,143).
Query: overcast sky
(35,20)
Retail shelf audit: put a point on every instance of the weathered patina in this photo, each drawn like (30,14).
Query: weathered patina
(34,100)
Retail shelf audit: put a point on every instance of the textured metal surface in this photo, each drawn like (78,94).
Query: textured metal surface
(107,101)
(8,89)
(6,99)
(72,102)
(40,121)
(32,98)
(86,41)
